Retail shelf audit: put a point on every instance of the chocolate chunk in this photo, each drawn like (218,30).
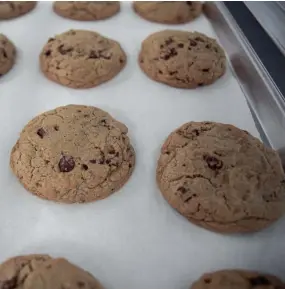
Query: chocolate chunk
(48,53)
(80,284)
(171,53)
(84,167)
(168,41)
(66,164)
(41,132)
(93,54)
(63,50)
(259,280)
(182,190)
(213,162)
(9,284)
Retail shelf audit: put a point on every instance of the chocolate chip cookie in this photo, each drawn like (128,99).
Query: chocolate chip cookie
(221,178)
(182,59)
(81,59)
(13,9)
(168,12)
(7,54)
(73,154)
(86,10)
(237,279)
(42,271)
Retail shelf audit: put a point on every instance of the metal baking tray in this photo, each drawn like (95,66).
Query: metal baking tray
(133,239)
(264,99)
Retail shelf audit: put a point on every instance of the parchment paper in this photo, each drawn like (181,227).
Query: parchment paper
(133,239)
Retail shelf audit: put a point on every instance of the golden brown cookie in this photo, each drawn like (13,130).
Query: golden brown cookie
(13,9)
(44,272)
(7,54)
(168,12)
(73,154)
(221,178)
(237,279)
(86,10)
(81,59)
(182,59)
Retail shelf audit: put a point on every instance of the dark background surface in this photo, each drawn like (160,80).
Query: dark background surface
(268,52)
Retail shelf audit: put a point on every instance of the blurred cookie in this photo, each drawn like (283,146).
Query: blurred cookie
(221,178)
(182,59)
(86,10)
(241,279)
(7,54)
(81,59)
(13,9)
(168,12)
(73,154)
(42,271)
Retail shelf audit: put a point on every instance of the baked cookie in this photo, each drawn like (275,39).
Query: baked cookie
(13,9)
(81,59)
(182,59)
(168,12)
(237,279)
(42,271)
(86,10)
(73,154)
(7,54)
(221,178)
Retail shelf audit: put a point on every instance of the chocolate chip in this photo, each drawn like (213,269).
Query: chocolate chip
(172,52)
(182,190)
(93,54)
(48,53)
(4,53)
(208,46)
(259,280)
(200,84)
(9,284)
(196,132)
(121,60)
(93,161)
(130,165)
(199,39)
(80,284)
(159,71)
(205,70)
(117,154)
(108,162)
(84,167)
(66,164)
(168,41)
(56,127)
(180,45)
(112,152)
(207,280)
(63,50)
(192,42)
(41,132)
(213,162)
(189,3)
(172,72)
(161,46)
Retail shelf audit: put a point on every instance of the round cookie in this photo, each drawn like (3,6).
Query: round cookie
(13,9)
(7,54)
(221,178)
(237,279)
(42,271)
(86,10)
(81,59)
(73,154)
(182,59)
(168,12)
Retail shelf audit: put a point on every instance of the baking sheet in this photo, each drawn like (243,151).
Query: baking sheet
(133,239)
